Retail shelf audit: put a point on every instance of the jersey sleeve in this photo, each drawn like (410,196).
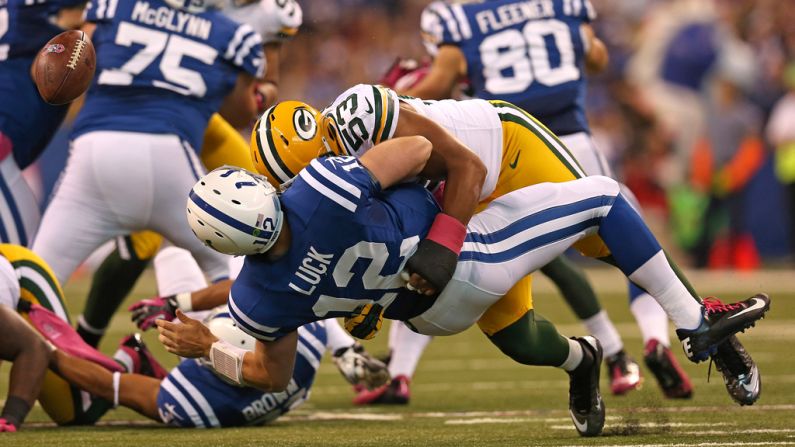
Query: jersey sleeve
(252,313)
(280,20)
(581,9)
(363,116)
(442,23)
(97,10)
(245,51)
(342,181)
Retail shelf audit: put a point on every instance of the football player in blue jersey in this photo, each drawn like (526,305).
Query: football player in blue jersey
(194,395)
(276,21)
(163,68)
(27,123)
(301,269)
(535,54)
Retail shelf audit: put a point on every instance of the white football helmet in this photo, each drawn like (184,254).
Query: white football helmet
(235,212)
(224,327)
(195,6)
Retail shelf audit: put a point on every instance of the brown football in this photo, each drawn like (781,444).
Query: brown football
(63,69)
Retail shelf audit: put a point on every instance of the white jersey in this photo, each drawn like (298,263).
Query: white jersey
(274,20)
(365,115)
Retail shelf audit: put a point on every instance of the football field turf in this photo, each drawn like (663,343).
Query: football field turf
(467,393)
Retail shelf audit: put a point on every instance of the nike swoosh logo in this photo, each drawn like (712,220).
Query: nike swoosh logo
(581,427)
(754,382)
(515,160)
(758,304)
(369,106)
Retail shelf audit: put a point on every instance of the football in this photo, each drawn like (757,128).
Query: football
(64,67)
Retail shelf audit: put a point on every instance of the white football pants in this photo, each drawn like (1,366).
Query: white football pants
(19,209)
(116,183)
(515,235)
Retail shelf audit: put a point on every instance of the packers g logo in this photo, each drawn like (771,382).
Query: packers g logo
(305,124)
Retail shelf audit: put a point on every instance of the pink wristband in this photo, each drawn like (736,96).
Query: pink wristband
(448,231)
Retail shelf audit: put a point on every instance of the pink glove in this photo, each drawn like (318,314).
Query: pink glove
(145,312)
(6,426)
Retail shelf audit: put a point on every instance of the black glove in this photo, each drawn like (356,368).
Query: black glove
(434,262)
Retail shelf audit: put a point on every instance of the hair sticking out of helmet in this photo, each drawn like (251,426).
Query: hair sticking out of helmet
(235,212)
(285,139)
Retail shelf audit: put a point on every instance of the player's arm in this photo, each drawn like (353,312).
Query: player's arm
(268,368)
(268,86)
(146,312)
(396,160)
(71,17)
(240,106)
(30,355)
(447,68)
(450,160)
(596,56)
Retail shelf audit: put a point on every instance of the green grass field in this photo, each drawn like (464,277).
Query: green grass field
(466,393)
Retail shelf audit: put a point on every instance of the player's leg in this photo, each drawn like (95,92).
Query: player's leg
(176,174)
(19,209)
(406,348)
(64,403)
(113,280)
(536,156)
(525,229)
(134,391)
(30,355)
(94,200)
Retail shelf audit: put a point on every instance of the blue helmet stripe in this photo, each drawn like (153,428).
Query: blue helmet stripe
(225,218)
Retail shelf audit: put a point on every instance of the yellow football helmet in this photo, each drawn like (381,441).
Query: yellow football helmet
(285,139)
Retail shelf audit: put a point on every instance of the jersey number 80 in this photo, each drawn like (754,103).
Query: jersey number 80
(526,54)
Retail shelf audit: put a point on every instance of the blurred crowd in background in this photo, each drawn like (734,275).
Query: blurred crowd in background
(693,112)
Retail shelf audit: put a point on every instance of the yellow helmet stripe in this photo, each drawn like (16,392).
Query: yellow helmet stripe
(271,158)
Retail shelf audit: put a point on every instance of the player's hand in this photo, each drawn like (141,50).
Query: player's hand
(145,312)
(191,339)
(6,426)
(365,321)
(360,368)
(437,255)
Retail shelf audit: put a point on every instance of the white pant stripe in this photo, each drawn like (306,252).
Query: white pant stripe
(197,396)
(182,401)
(311,340)
(308,355)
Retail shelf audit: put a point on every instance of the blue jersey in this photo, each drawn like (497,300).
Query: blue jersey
(527,52)
(161,70)
(349,241)
(192,395)
(29,122)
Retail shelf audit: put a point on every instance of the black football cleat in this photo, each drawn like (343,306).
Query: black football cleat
(585,402)
(673,380)
(739,370)
(720,322)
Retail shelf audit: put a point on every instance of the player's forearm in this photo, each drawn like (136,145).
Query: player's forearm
(465,178)
(270,367)
(83,374)
(598,57)
(212,296)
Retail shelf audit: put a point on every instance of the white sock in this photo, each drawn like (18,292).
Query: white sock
(406,351)
(658,278)
(651,318)
(336,337)
(575,356)
(603,329)
(126,361)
